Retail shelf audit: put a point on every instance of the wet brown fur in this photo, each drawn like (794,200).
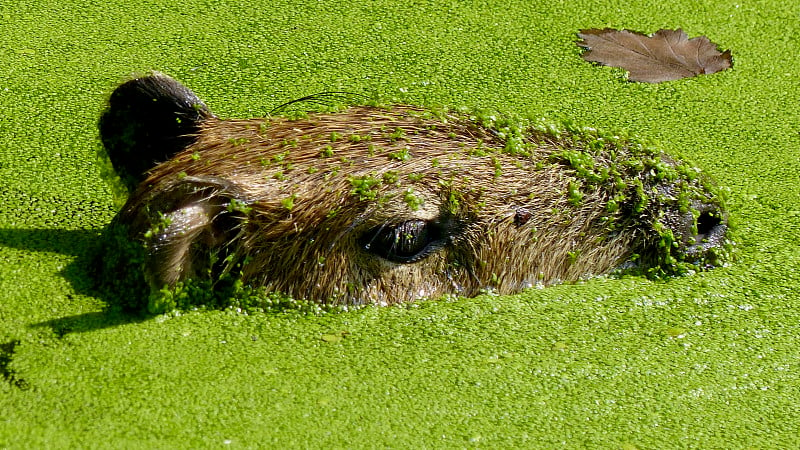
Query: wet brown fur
(516,226)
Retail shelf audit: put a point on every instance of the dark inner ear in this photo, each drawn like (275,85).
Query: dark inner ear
(148,120)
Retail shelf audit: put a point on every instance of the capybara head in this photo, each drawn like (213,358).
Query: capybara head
(388,204)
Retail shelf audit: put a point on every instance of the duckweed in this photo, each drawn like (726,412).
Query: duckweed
(701,361)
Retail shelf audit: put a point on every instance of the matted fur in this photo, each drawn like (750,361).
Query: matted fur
(277,203)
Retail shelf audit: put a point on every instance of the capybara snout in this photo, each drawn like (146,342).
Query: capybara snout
(388,204)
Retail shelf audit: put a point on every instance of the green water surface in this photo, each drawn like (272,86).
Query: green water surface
(705,361)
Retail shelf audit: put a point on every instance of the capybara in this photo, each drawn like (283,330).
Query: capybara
(383,204)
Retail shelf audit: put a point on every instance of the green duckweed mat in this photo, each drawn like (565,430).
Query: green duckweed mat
(703,361)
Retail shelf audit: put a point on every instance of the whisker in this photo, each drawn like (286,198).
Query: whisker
(328,98)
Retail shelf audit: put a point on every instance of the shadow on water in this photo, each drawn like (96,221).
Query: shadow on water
(81,273)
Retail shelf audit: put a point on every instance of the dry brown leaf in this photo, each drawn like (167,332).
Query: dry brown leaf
(663,56)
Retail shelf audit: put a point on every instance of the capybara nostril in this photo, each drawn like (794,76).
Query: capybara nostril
(708,245)
(708,226)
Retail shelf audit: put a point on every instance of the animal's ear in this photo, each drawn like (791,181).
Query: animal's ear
(148,120)
(190,230)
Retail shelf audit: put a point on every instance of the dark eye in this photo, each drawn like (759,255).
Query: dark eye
(404,242)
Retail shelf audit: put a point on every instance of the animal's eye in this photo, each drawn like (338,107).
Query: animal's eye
(404,242)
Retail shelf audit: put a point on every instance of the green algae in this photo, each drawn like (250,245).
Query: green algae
(365,187)
(702,361)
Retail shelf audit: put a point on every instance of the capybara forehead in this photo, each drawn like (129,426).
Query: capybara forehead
(370,151)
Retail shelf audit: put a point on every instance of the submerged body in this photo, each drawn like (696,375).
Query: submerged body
(394,204)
